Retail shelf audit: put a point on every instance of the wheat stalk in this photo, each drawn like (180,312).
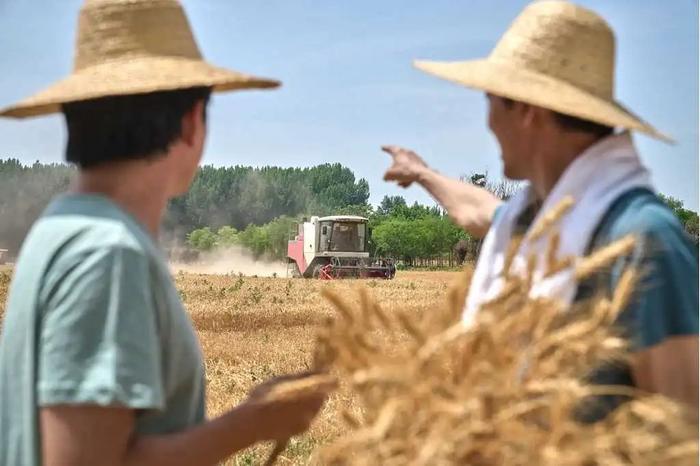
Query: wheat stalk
(547,222)
(504,391)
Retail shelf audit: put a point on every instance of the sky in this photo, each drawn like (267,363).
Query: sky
(349,86)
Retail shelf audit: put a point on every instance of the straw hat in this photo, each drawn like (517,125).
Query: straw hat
(555,55)
(133,47)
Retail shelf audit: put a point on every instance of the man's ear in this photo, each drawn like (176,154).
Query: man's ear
(192,123)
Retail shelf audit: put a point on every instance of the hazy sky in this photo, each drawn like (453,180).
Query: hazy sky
(349,85)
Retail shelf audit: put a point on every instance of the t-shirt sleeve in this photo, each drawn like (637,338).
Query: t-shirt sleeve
(98,338)
(666,299)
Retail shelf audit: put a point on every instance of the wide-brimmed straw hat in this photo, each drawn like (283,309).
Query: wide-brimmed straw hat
(129,47)
(555,55)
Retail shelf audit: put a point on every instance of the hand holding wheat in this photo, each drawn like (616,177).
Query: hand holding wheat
(292,402)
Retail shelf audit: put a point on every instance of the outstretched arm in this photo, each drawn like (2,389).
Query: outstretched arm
(470,207)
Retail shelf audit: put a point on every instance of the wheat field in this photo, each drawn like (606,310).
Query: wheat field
(252,329)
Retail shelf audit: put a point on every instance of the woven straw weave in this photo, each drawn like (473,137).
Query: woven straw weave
(555,55)
(128,47)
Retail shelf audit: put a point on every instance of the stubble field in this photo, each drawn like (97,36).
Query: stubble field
(252,329)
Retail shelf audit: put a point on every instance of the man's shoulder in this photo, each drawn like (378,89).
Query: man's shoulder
(667,296)
(642,213)
(57,245)
(81,233)
(83,224)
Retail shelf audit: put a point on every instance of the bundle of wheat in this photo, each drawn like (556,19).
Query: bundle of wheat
(504,391)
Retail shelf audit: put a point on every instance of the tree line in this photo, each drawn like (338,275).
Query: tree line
(257,207)
(25,190)
(220,196)
(412,234)
(407,233)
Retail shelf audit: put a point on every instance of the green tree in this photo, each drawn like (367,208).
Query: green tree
(25,190)
(687,217)
(278,232)
(227,236)
(391,205)
(397,237)
(256,239)
(202,239)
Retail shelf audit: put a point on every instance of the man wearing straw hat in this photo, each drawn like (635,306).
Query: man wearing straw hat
(99,363)
(549,84)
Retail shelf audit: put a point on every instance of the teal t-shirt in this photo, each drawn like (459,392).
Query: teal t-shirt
(93,318)
(666,300)
(665,303)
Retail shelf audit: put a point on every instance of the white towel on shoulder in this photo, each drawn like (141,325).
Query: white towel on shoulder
(595,179)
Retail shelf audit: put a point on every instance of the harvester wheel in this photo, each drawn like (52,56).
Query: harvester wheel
(316,271)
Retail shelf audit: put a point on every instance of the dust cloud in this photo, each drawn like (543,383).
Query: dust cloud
(232,260)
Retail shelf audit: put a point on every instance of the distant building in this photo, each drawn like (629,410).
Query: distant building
(3,252)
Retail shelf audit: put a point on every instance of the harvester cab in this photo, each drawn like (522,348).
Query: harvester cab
(335,247)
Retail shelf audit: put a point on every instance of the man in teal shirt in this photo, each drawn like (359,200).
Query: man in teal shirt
(99,363)
(549,85)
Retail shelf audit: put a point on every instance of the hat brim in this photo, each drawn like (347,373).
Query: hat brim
(135,76)
(543,91)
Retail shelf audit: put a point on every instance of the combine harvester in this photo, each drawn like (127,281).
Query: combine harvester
(335,247)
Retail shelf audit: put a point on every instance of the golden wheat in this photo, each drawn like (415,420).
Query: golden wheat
(508,390)
(253,329)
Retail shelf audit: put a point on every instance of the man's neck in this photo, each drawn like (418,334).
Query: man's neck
(138,187)
(554,158)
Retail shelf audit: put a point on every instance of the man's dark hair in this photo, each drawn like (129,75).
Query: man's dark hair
(127,127)
(572,123)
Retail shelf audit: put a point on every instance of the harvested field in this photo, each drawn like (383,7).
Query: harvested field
(252,329)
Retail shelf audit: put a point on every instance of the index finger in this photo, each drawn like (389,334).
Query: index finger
(392,150)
